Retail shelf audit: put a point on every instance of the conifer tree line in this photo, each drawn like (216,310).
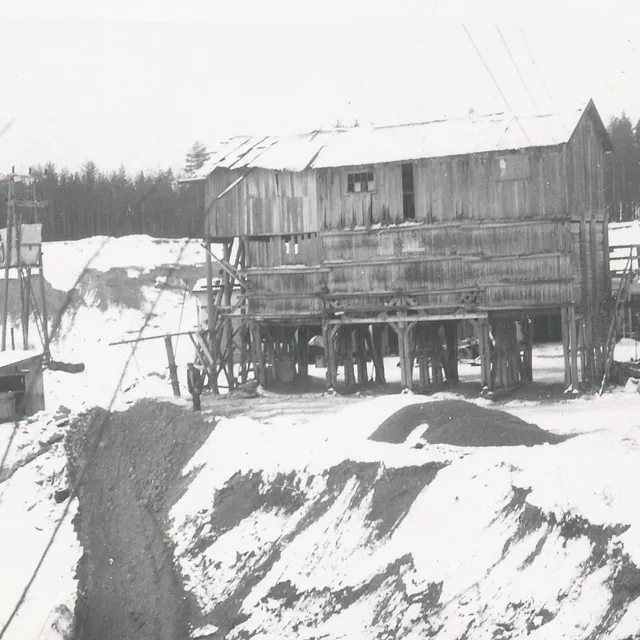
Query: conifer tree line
(91,202)
(623,169)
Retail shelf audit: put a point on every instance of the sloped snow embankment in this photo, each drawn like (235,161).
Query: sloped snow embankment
(35,469)
(316,531)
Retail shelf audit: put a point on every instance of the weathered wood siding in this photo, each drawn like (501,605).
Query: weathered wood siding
(504,265)
(288,291)
(457,238)
(446,273)
(225,218)
(447,189)
(274,251)
(585,161)
(263,203)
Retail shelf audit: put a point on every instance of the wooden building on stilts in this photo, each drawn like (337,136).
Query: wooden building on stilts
(398,234)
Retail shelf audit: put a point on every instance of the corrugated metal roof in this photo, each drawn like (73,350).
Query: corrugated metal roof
(395,143)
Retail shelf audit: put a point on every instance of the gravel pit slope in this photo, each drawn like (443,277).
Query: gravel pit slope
(128,588)
(460,423)
(316,531)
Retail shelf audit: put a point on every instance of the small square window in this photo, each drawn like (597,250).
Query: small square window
(363,182)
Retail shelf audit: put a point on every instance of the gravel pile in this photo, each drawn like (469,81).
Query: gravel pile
(464,424)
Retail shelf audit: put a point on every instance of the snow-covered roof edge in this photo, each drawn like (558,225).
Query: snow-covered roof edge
(398,142)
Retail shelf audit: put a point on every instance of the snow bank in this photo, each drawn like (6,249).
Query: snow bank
(310,530)
(64,261)
(29,515)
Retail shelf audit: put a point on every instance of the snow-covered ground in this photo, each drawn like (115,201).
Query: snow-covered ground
(463,559)
(477,546)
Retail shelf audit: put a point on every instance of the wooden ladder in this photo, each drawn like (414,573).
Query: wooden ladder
(610,345)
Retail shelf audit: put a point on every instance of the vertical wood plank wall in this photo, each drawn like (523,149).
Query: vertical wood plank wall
(521,240)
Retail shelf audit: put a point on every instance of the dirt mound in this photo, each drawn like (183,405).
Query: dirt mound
(460,423)
(53,297)
(128,587)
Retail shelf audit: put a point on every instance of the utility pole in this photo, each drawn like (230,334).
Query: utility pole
(13,258)
(45,318)
(7,259)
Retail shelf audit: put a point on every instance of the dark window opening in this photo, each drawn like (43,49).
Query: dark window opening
(360,182)
(408,198)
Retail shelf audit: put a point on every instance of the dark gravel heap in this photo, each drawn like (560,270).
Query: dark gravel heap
(464,424)
(128,586)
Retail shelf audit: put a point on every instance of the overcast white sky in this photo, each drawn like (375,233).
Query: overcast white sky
(137,82)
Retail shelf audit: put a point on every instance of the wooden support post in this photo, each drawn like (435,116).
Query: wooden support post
(7,260)
(421,343)
(303,352)
(270,356)
(259,368)
(591,345)
(399,330)
(330,354)
(211,323)
(45,317)
(482,348)
(406,355)
(583,351)
(245,353)
(486,354)
(228,288)
(411,349)
(573,337)
(566,345)
(376,347)
(599,362)
(173,370)
(527,357)
(451,331)
(361,354)
(276,351)
(347,354)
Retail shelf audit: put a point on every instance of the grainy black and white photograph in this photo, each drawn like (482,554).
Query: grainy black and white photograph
(320,321)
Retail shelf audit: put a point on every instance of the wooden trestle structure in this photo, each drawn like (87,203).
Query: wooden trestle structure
(395,238)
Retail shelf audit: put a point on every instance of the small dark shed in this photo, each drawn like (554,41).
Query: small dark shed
(21,384)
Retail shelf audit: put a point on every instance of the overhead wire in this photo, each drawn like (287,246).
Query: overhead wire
(7,126)
(538,111)
(542,81)
(502,95)
(517,68)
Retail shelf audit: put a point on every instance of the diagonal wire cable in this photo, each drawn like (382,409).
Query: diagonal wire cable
(517,68)
(488,69)
(7,126)
(542,82)
(105,420)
